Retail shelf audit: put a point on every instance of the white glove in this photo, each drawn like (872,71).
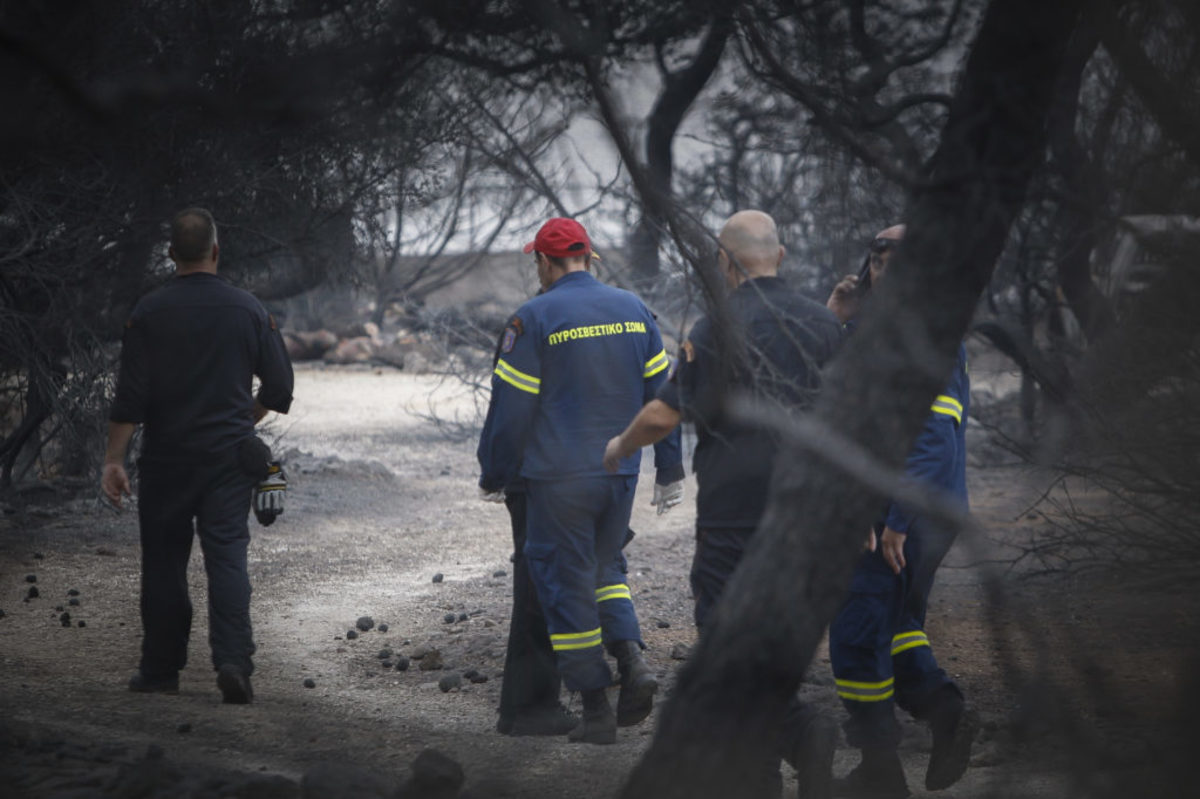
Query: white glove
(269,494)
(491,496)
(668,496)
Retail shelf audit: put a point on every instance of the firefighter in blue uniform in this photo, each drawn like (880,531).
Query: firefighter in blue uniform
(190,352)
(880,653)
(576,363)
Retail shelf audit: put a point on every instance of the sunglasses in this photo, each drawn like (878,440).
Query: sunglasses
(880,246)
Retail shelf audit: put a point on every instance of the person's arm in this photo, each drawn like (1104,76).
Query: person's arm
(113,480)
(516,386)
(932,462)
(274,369)
(653,423)
(668,447)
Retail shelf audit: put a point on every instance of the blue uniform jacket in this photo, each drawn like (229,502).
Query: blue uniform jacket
(576,364)
(939,456)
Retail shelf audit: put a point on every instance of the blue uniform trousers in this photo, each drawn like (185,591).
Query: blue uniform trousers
(880,654)
(574,533)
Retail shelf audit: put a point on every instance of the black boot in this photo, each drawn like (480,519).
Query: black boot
(599,724)
(638,683)
(954,728)
(878,776)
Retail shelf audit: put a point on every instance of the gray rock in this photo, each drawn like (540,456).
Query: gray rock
(73,602)
(437,578)
(351,635)
(364,623)
(432,661)
(450,682)
(309,682)
(33,592)
(72,592)
(449,618)
(344,781)
(462,617)
(434,776)
(680,652)
(402,663)
(499,573)
(479,678)
(31,578)
(385,653)
(383,628)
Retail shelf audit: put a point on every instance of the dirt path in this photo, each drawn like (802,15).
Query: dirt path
(377,506)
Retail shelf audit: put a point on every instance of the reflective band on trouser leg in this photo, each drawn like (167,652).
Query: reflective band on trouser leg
(866,691)
(948,406)
(607,592)
(567,642)
(910,640)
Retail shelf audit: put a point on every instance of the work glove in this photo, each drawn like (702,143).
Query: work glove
(491,496)
(668,496)
(269,494)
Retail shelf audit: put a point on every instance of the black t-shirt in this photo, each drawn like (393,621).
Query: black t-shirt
(781,340)
(190,352)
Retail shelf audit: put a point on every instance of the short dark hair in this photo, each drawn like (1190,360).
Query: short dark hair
(193,234)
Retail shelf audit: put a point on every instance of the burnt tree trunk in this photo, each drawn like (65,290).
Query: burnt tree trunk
(680,90)
(719,732)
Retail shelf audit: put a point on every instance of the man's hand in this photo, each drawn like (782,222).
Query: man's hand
(613,453)
(871,541)
(668,496)
(892,544)
(269,494)
(114,482)
(844,299)
(491,496)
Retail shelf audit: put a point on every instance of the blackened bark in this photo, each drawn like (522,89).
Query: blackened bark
(680,90)
(718,733)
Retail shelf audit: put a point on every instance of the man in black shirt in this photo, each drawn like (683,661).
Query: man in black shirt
(190,352)
(778,343)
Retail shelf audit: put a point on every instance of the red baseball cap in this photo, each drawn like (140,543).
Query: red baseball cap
(560,238)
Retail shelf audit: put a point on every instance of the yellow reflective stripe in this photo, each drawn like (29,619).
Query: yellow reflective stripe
(907,641)
(613,592)
(517,378)
(562,642)
(656,364)
(866,691)
(949,406)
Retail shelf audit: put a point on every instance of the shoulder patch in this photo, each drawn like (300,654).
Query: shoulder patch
(517,327)
(509,339)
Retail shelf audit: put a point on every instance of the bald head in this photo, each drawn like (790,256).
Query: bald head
(751,239)
(894,233)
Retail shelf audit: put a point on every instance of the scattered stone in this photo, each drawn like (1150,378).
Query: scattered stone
(364,623)
(33,592)
(449,682)
(462,617)
(499,573)
(489,623)
(419,652)
(31,578)
(445,471)
(81,623)
(402,663)
(351,635)
(662,625)
(383,628)
(73,602)
(73,592)
(309,682)
(432,661)
(184,728)
(437,578)
(345,781)
(470,673)
(106,552)
(385,653)
(65,618)
(59,608)
(434,776)
(478,678)
(680,652)
(449,618)
(387,664)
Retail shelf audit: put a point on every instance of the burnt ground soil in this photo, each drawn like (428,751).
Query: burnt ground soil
(1080,682)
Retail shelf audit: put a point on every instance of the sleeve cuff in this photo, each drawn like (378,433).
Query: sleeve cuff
(669,474)
(275,404)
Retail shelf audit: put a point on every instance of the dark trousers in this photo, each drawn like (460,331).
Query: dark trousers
(574,534)
(878,648)
(216,495)
(531,681)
